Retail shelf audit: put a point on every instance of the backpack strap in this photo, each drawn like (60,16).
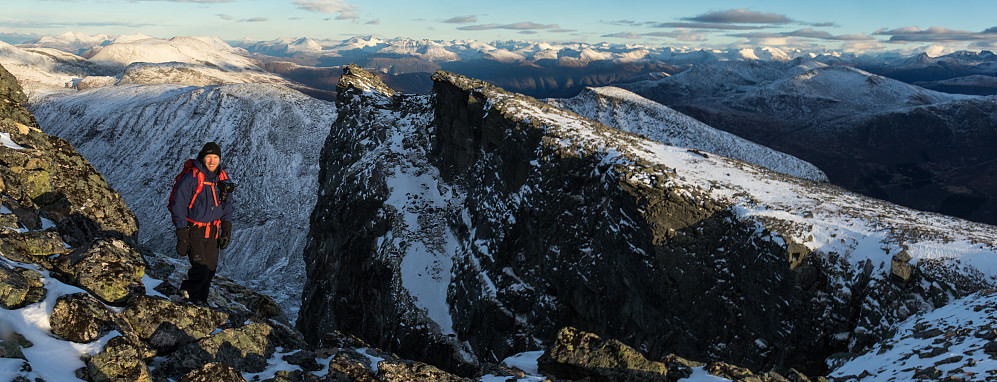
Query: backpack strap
(200,185)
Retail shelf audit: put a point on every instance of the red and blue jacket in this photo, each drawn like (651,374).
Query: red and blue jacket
(207,207)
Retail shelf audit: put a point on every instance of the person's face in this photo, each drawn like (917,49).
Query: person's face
(211,162)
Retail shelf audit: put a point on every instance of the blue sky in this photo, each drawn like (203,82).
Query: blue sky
(842,24)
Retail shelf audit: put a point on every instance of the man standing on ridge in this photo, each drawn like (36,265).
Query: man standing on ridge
(202,214)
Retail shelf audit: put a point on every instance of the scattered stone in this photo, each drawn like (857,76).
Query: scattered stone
(303,358)
(13,288)
(928,373)
(214,372)
(11,345)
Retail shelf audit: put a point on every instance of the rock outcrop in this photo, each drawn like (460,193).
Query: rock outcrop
(468,225)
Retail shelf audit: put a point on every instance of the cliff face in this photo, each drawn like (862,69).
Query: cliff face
(473,223)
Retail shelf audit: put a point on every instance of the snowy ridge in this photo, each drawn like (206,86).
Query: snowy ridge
(955,340)
(139,136)
(821,217)
(629,112)
(180,49)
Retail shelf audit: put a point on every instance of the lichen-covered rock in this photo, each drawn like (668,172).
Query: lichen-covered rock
(577,355)
(13,288)
(147,314)
(46,173)
(246,349)
(350,366)
(403,371)
(81,318)
(119,361)
(11,344)
(110,269)
(34,244)
(214,372)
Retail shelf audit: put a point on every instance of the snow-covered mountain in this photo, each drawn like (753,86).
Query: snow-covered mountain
(72,42)
(629,112)
(138,136)
(192,50)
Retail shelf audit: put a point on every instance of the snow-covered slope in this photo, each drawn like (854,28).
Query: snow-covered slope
(955,341)
(139,136)
(629,112)
(41,70)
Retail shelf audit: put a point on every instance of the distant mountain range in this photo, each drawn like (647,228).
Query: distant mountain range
(871,134)
(539,69)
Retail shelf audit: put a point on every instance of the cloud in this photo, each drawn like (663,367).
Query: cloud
(347,16)
(626,35)
(740,16)
(678,34)
(374,22)
(527,32)
(193,1)
(224,16)
(254,20)
(935,34)
(325,6)
(461,20)
(526,25)
(803,33)
(39,24)
(824,24)
(707,26)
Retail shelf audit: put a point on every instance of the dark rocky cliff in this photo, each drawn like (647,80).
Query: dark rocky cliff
(524,218)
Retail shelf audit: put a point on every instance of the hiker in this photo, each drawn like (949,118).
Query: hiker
(202,214)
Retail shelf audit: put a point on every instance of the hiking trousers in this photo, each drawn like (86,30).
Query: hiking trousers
(203,256)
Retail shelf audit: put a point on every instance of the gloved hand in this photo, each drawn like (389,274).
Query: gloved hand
(183,241)
(226,235)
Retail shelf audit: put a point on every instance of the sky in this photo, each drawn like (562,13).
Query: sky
(850,25)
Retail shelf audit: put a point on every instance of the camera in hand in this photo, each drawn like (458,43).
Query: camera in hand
(224,188)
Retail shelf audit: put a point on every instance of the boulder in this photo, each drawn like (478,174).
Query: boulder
(214,372)
(110,269)
(350,366)
(34,245)
(402,371)
(578,355)
(246,349)
(305,359)
(81,318)
(119,361)
(149,314)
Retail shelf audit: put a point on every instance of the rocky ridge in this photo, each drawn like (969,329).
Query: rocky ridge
(528,218)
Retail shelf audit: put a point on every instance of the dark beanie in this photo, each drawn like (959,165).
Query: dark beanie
(210,148)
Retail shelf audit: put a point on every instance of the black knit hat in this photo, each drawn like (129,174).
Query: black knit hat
(210,148)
